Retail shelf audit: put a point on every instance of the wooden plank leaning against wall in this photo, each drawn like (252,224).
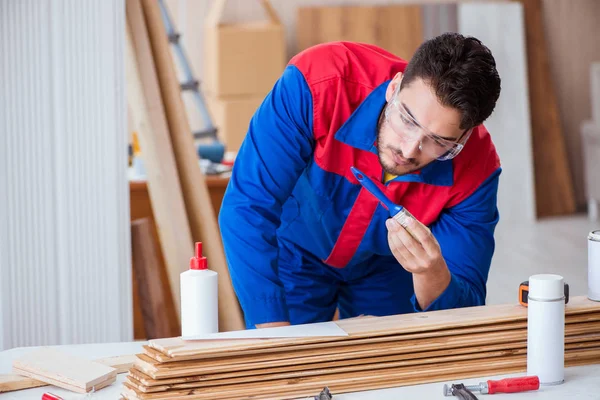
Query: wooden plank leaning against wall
(173,170)
(202,219)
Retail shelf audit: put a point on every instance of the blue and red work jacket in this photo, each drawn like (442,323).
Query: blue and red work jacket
(292,182)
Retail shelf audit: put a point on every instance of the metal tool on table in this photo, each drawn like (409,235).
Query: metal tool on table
(459,390)
(524,293)
(324,395)
(508,385)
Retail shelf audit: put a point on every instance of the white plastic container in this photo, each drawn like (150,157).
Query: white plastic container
(594,265)
(546,328)
(199,298)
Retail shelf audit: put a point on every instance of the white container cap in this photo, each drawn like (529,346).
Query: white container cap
(546,287)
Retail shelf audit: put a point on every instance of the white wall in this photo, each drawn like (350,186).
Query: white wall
(65,272)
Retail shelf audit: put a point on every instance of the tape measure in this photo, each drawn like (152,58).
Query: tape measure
(524,293)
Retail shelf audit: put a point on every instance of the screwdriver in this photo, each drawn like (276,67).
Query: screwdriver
(508,385)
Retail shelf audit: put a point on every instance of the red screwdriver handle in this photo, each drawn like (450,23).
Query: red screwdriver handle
(513,385)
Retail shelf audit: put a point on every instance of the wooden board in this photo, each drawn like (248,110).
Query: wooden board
(378,352)
(380,326)
(397,29)
(510,123)
(364,348)
(202,218)
(64,370)
(338,382)
(147,275)
(572,31)
(12,382)
(409,348)
(374,364)
(553,180)
(150,123)
(350,355)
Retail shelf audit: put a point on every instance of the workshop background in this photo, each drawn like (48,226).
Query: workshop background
(111,169)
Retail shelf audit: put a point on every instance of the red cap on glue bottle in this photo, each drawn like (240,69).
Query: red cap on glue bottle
(198,261)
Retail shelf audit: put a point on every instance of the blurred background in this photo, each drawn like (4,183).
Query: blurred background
(120,122)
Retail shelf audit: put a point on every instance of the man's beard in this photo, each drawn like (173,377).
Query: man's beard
(390,167)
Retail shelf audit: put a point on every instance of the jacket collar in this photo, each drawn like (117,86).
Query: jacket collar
(360,131)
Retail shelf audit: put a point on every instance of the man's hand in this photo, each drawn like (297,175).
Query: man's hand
(272,324)
(421,256)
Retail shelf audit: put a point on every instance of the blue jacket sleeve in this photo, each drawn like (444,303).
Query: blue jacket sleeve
(465,233)
(275,151)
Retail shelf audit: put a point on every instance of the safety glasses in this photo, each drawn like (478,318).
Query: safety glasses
(409,130)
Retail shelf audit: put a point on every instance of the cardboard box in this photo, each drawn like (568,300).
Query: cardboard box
(232,116)
(242,58)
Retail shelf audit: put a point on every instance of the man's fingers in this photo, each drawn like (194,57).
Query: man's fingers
(411,243)
(398,250)
(423,235)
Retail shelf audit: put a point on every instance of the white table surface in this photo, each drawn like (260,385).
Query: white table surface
(580,382)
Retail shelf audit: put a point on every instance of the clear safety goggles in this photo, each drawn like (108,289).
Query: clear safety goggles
(409,130)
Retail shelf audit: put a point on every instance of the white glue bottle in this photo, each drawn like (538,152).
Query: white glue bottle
(546,328)
(199,298)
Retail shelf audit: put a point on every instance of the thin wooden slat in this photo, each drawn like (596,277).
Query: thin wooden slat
(322,368)
(319,382)
(185,373)
(351,355)
(156,319)
(383,347)
(295,372)
(148,116)
(288,351)
(311,359)
(553,182)
(362,386)
(380,326)
(202,219)
(398,374)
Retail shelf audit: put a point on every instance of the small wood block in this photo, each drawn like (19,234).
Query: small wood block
(11,382)
(64,370)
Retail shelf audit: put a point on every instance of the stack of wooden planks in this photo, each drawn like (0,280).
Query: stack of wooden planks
(379,352)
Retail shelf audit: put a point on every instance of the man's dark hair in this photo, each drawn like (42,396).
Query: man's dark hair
(462,73)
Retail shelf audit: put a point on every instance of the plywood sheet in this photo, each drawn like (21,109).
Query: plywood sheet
(510,123)
(64,370)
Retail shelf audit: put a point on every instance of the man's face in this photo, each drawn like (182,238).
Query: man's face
(415,129)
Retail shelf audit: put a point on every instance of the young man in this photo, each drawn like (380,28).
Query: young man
(303,238)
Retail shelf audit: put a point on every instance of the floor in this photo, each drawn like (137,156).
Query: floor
(555,245)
